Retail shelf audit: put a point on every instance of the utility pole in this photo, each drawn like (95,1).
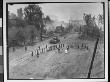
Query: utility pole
(89,73)
(91,65)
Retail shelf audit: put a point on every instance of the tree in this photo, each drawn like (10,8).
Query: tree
(20,23)
(101,19)
(90,21)
(20,13)
(32,35)
(34,16)
(47,19)
(91,29)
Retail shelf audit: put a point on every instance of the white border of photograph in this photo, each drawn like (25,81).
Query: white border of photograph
(0,22)
(63,80)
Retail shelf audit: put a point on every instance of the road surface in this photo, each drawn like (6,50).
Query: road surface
(54,65)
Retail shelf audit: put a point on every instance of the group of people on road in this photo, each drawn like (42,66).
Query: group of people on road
(83,46)
(80,46)
(57,47)
(40,50)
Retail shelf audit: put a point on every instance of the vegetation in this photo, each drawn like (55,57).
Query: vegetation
(25,30)
(91,29)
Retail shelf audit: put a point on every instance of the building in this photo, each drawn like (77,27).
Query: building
(77,22)
(20,13)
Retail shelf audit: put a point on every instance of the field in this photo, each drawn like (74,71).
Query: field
(58,65)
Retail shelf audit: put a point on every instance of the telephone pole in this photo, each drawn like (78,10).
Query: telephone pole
(91,65)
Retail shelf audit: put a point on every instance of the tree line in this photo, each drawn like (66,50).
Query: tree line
(31,25)
(23,31)
(91,30)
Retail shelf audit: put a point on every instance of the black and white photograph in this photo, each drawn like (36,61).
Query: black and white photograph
(55,40)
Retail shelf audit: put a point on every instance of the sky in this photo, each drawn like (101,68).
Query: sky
(64,11)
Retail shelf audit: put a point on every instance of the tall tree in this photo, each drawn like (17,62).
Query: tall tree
(100,19)
(34,16)
(91,29)
(90,21)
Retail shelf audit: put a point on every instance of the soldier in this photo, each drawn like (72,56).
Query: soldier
(13,49)
(46,46)
(37,54)
(58,50)
(39,47)
(42,50)
(68,47)
(55,47)
(63,45)
(32,53)
(50,48)
(87,48)
(59,46)
(25,48)
(78,46)
(82,45)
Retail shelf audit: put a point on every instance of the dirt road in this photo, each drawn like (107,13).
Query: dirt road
(54,65)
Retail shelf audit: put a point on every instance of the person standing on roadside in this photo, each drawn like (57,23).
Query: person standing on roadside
(68,47)
(25,48)
(46,46)
(39,47)
(32,53)
(37,54)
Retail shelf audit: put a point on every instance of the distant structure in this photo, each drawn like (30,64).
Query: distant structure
(20,13)
(77,22)
(12,18)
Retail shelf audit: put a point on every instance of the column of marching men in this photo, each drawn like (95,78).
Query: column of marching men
(57,47)
(40,50)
